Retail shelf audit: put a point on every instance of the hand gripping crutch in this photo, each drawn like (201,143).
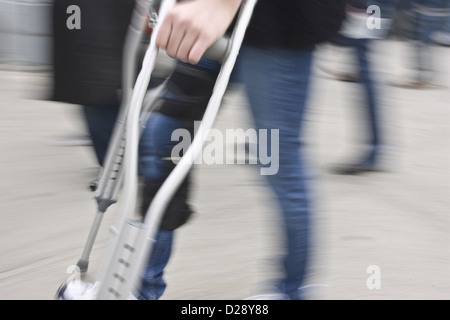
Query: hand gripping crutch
(130,249)
(109,181)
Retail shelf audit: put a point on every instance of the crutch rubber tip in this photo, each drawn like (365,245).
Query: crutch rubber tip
(83,265)
(93,186)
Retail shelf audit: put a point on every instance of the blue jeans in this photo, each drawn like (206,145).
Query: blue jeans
(153,284)
(100,122)
(155,145)
(154,149)
(277,85)
(424,25)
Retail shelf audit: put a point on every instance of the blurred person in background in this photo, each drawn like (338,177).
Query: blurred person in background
(361,43)
(428,20)
(442,36)
(275,66)
(88,63)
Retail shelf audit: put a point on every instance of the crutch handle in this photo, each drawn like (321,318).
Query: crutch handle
(218,50)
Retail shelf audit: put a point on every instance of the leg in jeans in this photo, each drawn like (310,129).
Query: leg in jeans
(426,22)
(153,284)
(372,101)
(277,83)
(155,149)
(189,89)
(154,145)
(100,122)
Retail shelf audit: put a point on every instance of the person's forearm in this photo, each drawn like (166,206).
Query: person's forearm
(233,4)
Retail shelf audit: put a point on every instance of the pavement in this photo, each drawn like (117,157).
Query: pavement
(381,235)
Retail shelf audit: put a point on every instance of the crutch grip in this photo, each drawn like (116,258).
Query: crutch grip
(218,50)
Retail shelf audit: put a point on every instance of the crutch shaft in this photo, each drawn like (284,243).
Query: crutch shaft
(83,262)
(110,177)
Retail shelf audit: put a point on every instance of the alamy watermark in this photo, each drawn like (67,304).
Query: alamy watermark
(235,146)
(74,20)
(373,20)
(374,280)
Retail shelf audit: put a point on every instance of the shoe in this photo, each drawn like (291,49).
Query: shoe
(354,169)
(77,290)
(342,75)
(132,296)
(268,296)
(413,84)
(304,293)
(441,38)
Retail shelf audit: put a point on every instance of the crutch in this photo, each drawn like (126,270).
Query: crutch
(130,249)
(108,184)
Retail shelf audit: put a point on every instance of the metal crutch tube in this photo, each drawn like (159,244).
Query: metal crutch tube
(110,177)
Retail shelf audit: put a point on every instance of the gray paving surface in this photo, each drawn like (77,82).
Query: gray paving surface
(397,220)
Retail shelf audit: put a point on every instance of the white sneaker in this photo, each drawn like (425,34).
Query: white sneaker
(269,296)
(78,290)
(273,294)
(132,296)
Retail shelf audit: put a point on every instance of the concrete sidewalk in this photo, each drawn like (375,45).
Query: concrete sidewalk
(396,222)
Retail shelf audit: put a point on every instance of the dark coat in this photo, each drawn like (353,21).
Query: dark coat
(295,23)
(88,61)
